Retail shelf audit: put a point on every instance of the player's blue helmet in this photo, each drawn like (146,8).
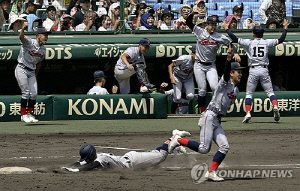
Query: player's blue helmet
(258,30)
(87,151)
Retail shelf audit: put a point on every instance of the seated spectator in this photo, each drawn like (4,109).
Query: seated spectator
(66,23)
(15,23)
(278,81)
(158,9)
(32,6)
(272,9)
(88,22)
(102,8)
(17,8)
(232,21)
(272,24)
(238,13)
(5,5)
(79,16)
(249,24)
(140,10)
(105,23)
(184,11)
(34,22)
(200,10)
(50,23)
(147,22)
(73,7)
(99,80)
(167,20)
(131,7)
(114,14)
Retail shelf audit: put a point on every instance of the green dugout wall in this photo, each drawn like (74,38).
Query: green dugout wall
(134,106)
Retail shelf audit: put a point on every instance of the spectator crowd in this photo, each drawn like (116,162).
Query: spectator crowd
(104,15)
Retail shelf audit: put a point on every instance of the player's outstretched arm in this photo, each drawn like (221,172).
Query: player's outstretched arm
(90,166)
(170,70)
(230,34)
(228,63)
(22,36)
(283,35)
(189,21)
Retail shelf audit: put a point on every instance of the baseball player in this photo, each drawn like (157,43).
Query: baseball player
(257,51)
(98,89)
(90,160)
(181,74)
(209,122)
(208,43)
(131,62)
(30,58)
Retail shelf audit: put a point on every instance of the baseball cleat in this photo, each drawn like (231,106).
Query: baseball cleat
(276,114)
(247,118)
(33,119)
(180,133)
(173,143)
(213,176)
(25,118)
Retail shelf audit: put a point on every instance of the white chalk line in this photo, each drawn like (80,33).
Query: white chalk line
(295,166)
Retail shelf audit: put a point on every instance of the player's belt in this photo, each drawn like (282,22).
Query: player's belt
(260,66)
(25,67)
(206,63)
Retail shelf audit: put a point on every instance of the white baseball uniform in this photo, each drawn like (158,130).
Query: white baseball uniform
(206,52)
(257,51)
(123,74)
(183,74)
(97,90)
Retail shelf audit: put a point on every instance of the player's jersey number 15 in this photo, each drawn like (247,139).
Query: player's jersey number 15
(258,51)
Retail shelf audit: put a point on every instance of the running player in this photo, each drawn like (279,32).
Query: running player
(257,51)
(209,122)
(131,62)
(30,58)
(208,43)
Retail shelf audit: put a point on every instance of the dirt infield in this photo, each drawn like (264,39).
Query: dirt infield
(260,148)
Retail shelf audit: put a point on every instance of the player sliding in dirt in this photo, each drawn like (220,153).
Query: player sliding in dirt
(91,160)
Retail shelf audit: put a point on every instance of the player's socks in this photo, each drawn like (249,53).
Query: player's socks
(23,106)
(193,145)
(218,158)
(201,104)
(248,104)
(163,147)
(31,104)
(274,100)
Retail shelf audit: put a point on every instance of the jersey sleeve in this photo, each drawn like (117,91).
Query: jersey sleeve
(28,41)
(130,52)
(222,82)
(225,40)
(179,61)
(272,42)
(244,42)
(197,30)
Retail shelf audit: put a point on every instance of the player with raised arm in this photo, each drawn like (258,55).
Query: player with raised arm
(208,43)
(257,51)
(30,58)
(209,122)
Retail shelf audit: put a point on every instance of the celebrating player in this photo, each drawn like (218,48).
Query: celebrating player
(30,58)
(130,62)
(210,126)
(181,74)
(257,51)
(98,89)
(208,43)
(91,160)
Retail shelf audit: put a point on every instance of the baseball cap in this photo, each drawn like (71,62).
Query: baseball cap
(193,49)
(84,1)
(258,30)
(212,19)
(51,8)
(237,7)
(65,16)
(99,74)
(236,66)
(145,42)
(42,30)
